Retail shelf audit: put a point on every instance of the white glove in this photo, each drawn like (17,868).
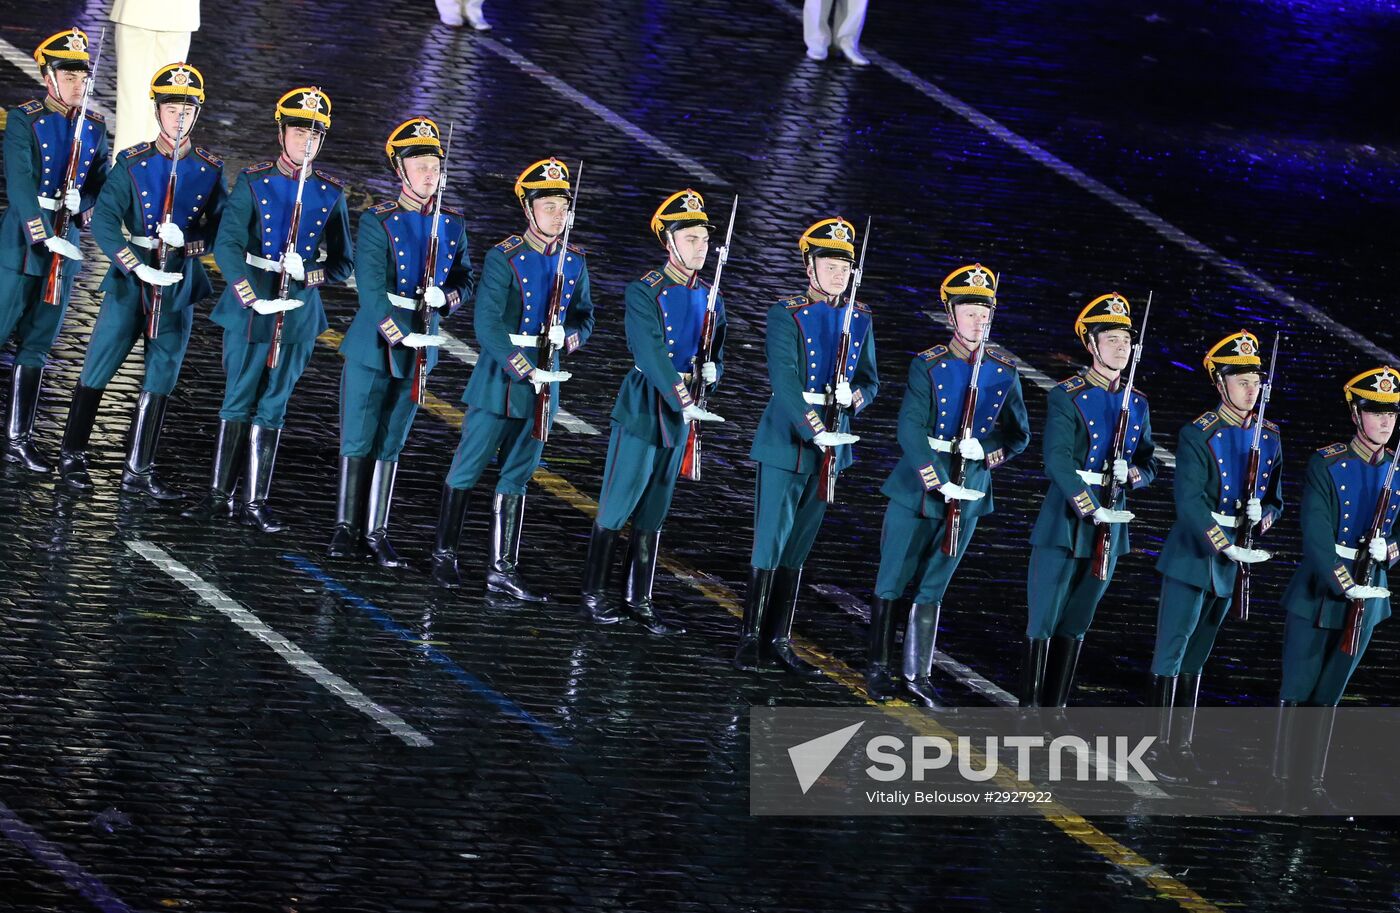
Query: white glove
(152,276)
(1120,471)
(73,200)
(1246,555)
(293,265)
(1378,548)
(834,438)
(709,372)
(171,234)
(1367,592)
(1254,510)
(64,248)
(969,448)
(556,335)
(275,305)
(420,340)
(1105,515)
(694,413)
(952,491)
(434,298)
(539,376)
(843,395)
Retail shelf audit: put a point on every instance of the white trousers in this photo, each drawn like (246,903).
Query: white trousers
(140,52)
(453,9)
(817,28)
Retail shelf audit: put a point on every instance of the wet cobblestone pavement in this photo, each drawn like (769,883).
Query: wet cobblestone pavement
(1237,159)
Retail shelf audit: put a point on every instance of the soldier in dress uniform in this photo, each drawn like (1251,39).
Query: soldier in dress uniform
(930,416)
(382,344)
(512,301)
(1082,415)
(1341,495)
(130,224)
(38,142)
(654,410)
(803,335)
(253,253)
(1199,561)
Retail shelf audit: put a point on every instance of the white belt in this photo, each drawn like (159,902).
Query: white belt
(939,444)
(262,263)
(399,301)
(48,203)
(1347,553)
(1227,522)
(524,339)
(1090,478)
(685,375)
(143,241)
(816,399)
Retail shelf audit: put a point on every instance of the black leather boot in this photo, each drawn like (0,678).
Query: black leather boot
(228,457)
(139,473)
(1279,797)
(73,458)
(1160,756)
(777,629)
(920,641)
(880,681)
(1188,696)
(756,599)
(593,601)
(381,498)
(19,430)
(262,455)
(1033,671)
(350,499)
(1059,669)
(1316,801)
(641,575)
(503,575)
(453,508)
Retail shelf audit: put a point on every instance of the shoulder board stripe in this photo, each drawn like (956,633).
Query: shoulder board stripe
(331,179)
(934,353)
(652,278)
(510,244)
(453,211)
(93,115)
(260,166)
(1073,384)
(208,156)
(1332,450)
(796,301)
(386,206)
(33,106)
(1206,420)
(132,151)
(1001,355)
(574,248)
(1271,426)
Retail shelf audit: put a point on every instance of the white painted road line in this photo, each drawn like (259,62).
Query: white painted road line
(465,353)
(1232,268)
(290,652)
(614,119)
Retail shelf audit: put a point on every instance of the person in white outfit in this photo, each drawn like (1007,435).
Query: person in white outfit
(818,28)
(150,34)
(452,12)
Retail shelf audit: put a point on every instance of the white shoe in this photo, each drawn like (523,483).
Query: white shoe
(816,53)
(856,57)
(450,12)
(475,17)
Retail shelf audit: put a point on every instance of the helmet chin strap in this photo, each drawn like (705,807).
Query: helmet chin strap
(812,273)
